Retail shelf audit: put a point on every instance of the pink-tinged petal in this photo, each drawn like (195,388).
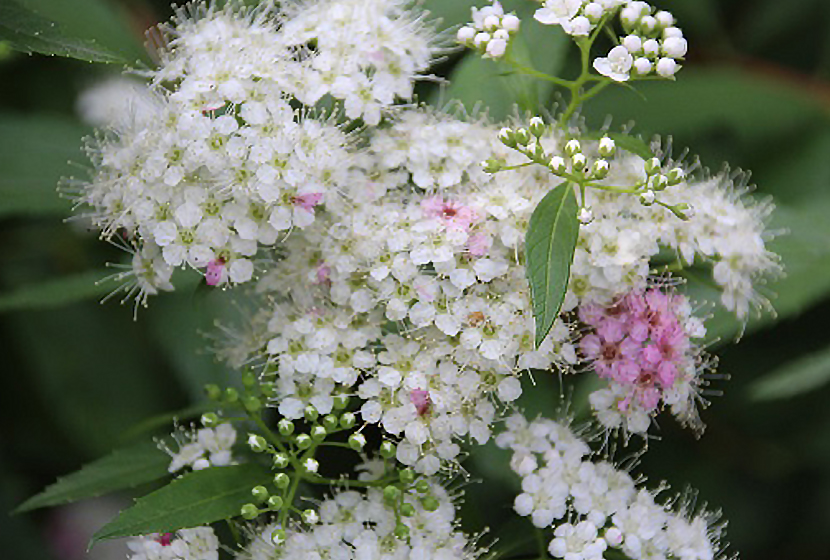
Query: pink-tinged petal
(433,206)
(626,372)
(479,244)
(215,272)
(323,273)
(421,400)
(638,330)
(612,329)
(630,349)
(308,201)
(650,398)
(635,303)
(591,314)
(590,346)
(652,354)
(666,374)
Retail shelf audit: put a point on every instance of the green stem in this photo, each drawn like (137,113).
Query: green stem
(540,543)
(348,483)
(288,500)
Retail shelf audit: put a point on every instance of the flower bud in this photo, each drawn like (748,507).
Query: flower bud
(210,419)
(311,465)
(537,126)
(675,47)
(491,22)
(599,170)
(557,165)
(465,34)
(507,137)
(430,503)
(285,427)
(672,32)
(585,216)
(648,24)
(252,404)
(594,11)
(268,389)
(330,422)
(387,449)
(651,47)
(664,18)
(647,198)
(676,176)
(492,165)
(260,493)
(578,162)
(281,480)
(318,433)
(401,531)
(347,421)
(573,147)
(522,136)
(249,511)
(510,23)
(257,443)
(275,503)
(406,476)
(643,66)
(248,379)
(652,166)
(607,147)
(280,460)
(667,67)
(213,392)
(278,537)
(407,510)
(303,441)
(633,43)
(341,401)
(422,486)
(357,441)
(310,516)
(310,413)
(231,395)
(613,537)
(481,39)
(391,494)
(683,211)
(497,46)
(658,182)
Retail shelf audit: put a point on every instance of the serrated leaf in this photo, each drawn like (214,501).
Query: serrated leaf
(803,375)
(54,293)
(124,468)
(549,249)
(28,31)
(197,498)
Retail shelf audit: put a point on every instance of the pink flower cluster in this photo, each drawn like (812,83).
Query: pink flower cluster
(453,214)
(640,343)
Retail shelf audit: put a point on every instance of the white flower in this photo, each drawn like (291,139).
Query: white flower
(617,65)
(558,12)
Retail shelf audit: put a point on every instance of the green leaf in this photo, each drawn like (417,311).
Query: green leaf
(35,152)
(28,31)
(57,292)
(805,374)
(197,498)
(124,468)
(549,248)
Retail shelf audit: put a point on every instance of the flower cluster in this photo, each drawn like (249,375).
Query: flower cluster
(652,44)
(593,505)
(362,525)
(199,543)
(207,447)
(490,31)
(642,345)
(577,18)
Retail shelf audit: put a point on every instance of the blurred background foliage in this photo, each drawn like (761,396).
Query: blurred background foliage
(78,376)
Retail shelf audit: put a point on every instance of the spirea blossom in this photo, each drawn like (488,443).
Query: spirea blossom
(199,543)
(490,30)
(593,505)
(207,447)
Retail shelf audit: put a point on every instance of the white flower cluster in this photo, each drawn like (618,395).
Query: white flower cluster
(652,44)
(490,31)
(217,162)
(417,302)
(199,543)
(577,18)
(207,447)
(361,526)
(592,505)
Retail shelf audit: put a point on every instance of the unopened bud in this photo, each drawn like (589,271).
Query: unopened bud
(285,427)
(647,198)
(231,395)
(491,22)
(249,511)
(607,147)
(422,486)
(330,422)
(210,419)
(465,34)
(310,413)
(658,182)
(257,443)
(430,503)
(252,404)
(348,420)
(648,24)
(573,147)
(281,480)
(249,379)
(401,531)
(652,166)
(522,137)
(599,170)
(558,165)
(683,211)
(511,23)
(260,493)
(391,494)
(406,476)
(676,176)
(537,126)
(585,216)
(387,449)
(303,441)
(318,433)
(310,516)
(357,441)
(507,137)
(578,162)
(213,392)
(407,510)
(278,537)
(275,503)
(492,165)
(341,401)
(280,460)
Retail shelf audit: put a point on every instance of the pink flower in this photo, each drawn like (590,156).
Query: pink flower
(421,400)
(215,273)
(323,273)
(479,244)
(307,201)
(453,214)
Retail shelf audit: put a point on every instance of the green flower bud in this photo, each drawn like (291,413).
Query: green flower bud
(607,147)
(401,531)
(578,162)
(285,427)
(599,170)
(275,503)
(387,449)
(391,494)
(210,419)
(260,493)
(507,137)
(282,480)
(318,433)
(652,166)
(407,510)
(249,511)
(280,460)
(676,176)
(303,441)
(522,137)
(278,536)
(257,443)
(430,503)
(213,392)
(341,401)
(231,395)
(310,516)
(406,476)
(330,422)
(252,404)
(422,486)
(347,421)
(311,413)
(573,147)
(658,182)
(357,441)
(249,379)
(268,389)
(558,165)
(537,126)
(311,465)
(492,165)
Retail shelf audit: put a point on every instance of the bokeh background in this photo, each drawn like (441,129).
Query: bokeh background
(80,378)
